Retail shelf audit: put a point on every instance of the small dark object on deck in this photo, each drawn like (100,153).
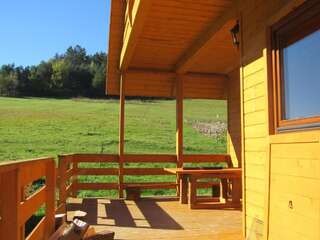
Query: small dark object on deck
(133,193)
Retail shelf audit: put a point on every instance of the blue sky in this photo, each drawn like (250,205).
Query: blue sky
(34,30)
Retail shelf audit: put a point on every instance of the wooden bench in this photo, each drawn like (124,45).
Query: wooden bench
(133,190)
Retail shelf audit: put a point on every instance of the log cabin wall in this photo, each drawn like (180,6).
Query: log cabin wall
(279,168)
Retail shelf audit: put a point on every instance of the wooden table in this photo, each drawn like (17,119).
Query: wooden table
(188,178)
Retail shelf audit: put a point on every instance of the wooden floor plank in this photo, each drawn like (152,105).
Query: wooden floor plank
(158,219)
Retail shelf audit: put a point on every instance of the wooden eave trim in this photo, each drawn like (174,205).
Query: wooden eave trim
(139,13)
(117,14)
(192,53)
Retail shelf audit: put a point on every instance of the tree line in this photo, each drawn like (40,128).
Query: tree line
(71,74)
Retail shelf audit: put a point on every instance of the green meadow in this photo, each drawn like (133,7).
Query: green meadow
(34,127)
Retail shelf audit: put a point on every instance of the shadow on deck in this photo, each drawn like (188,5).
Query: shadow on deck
(158,219)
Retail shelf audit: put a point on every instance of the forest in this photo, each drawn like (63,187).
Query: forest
(71,74)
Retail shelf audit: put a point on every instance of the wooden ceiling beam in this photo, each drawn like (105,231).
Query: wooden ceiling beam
(192,53)
(195,75)
(163,84)
(134,26)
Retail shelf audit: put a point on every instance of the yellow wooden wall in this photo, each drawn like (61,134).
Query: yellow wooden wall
(294,186)
(234,117)
(278,168)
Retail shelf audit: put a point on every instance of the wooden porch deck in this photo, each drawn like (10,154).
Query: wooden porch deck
(158,218)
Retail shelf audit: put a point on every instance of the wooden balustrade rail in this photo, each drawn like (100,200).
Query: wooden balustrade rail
(69,170)
(16,207)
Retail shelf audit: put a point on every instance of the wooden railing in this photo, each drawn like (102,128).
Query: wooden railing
(16,207)
(70,170)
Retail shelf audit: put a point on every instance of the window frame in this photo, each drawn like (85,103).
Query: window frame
(285,33)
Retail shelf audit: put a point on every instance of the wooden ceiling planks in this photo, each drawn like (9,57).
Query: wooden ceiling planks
(215,35)
(220,55)
(171,28)
(168,38)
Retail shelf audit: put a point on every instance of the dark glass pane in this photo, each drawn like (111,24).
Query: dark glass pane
(301,71)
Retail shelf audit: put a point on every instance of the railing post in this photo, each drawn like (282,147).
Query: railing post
(75,176)
(50,198)
(9,203)
(62,184)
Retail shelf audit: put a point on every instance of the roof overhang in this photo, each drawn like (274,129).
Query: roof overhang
(153,41)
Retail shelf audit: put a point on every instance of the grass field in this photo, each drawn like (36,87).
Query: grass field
(34,127)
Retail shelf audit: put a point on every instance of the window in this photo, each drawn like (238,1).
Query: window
(296,69)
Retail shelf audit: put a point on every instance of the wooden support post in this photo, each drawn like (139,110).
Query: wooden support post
(179,119)
(121,134)
(179,125)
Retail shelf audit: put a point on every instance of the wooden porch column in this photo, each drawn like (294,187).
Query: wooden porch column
(179,126)
(121,133)
(179,119)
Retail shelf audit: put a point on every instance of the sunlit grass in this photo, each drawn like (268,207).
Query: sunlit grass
(31,128)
